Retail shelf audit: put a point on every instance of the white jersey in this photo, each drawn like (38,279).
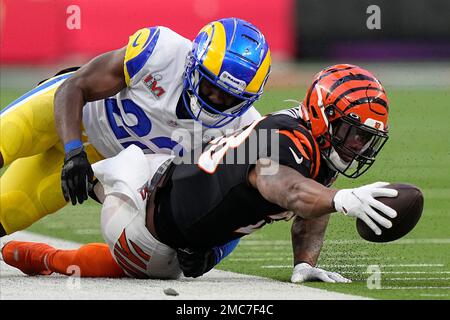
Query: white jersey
(144,113)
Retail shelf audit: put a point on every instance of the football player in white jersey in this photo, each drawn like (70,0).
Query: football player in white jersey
(139,94)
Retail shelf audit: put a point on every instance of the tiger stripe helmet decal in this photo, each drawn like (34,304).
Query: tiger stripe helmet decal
(351,94)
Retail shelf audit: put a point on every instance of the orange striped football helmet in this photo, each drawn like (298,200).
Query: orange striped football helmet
(346,109)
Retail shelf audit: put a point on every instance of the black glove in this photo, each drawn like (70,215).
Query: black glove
(76,176)
(196,262)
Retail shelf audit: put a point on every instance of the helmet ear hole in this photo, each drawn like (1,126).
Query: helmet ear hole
(330,112)
(354,116)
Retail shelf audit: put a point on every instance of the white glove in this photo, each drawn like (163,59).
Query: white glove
(360,203)
(305,272)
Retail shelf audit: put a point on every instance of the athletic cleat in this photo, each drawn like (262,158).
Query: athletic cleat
(28,257)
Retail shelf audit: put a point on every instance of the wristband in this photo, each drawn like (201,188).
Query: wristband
(72,145)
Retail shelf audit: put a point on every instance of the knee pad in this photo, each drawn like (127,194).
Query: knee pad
(49,194)
(15,137)
(17,211)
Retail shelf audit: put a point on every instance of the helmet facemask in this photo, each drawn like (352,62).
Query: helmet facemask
(353,145)
(201,108)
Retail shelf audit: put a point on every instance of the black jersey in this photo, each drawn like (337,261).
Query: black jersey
(211,202)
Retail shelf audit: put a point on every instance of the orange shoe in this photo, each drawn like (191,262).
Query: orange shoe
(28,257)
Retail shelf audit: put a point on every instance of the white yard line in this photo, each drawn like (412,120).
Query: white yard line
(414,288)
(401,241)
(88,231)
(216,285)
(264,242)
(348,241)
(419,265)
(261,259)
(284,266)
(371,259)
(290,259)
(402,272)
(288,252)
(417,279)
(359,258)
(407,279)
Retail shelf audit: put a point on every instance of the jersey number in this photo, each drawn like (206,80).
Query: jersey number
(139,129)
(217,148)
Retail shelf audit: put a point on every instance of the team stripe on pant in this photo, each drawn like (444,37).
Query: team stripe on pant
(132,259)
(40,89)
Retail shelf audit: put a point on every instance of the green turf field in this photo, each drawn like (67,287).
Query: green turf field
(416,267)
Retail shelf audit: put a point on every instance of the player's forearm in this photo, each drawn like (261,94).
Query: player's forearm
(294,192)
(309,199)
(100,78)
(307,238)
(68,106)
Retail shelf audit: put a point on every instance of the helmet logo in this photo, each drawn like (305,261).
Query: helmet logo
(200,47)
(374,124)
(229,80)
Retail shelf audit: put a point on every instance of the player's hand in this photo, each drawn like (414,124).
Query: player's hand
(305,272)
(196,262)
(360,203)
(77,176)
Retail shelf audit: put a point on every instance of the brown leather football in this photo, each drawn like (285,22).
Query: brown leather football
(409,206)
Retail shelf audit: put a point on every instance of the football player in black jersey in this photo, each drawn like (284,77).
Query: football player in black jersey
(279,167)
(340,128)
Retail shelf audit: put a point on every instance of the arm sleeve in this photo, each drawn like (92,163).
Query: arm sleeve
(222,251)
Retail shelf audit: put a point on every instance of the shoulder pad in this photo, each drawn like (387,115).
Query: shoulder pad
(139,49)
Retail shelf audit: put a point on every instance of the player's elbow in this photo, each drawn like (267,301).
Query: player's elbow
(70,90)
(72,83)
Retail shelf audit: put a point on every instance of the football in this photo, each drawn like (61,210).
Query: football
(409,206)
